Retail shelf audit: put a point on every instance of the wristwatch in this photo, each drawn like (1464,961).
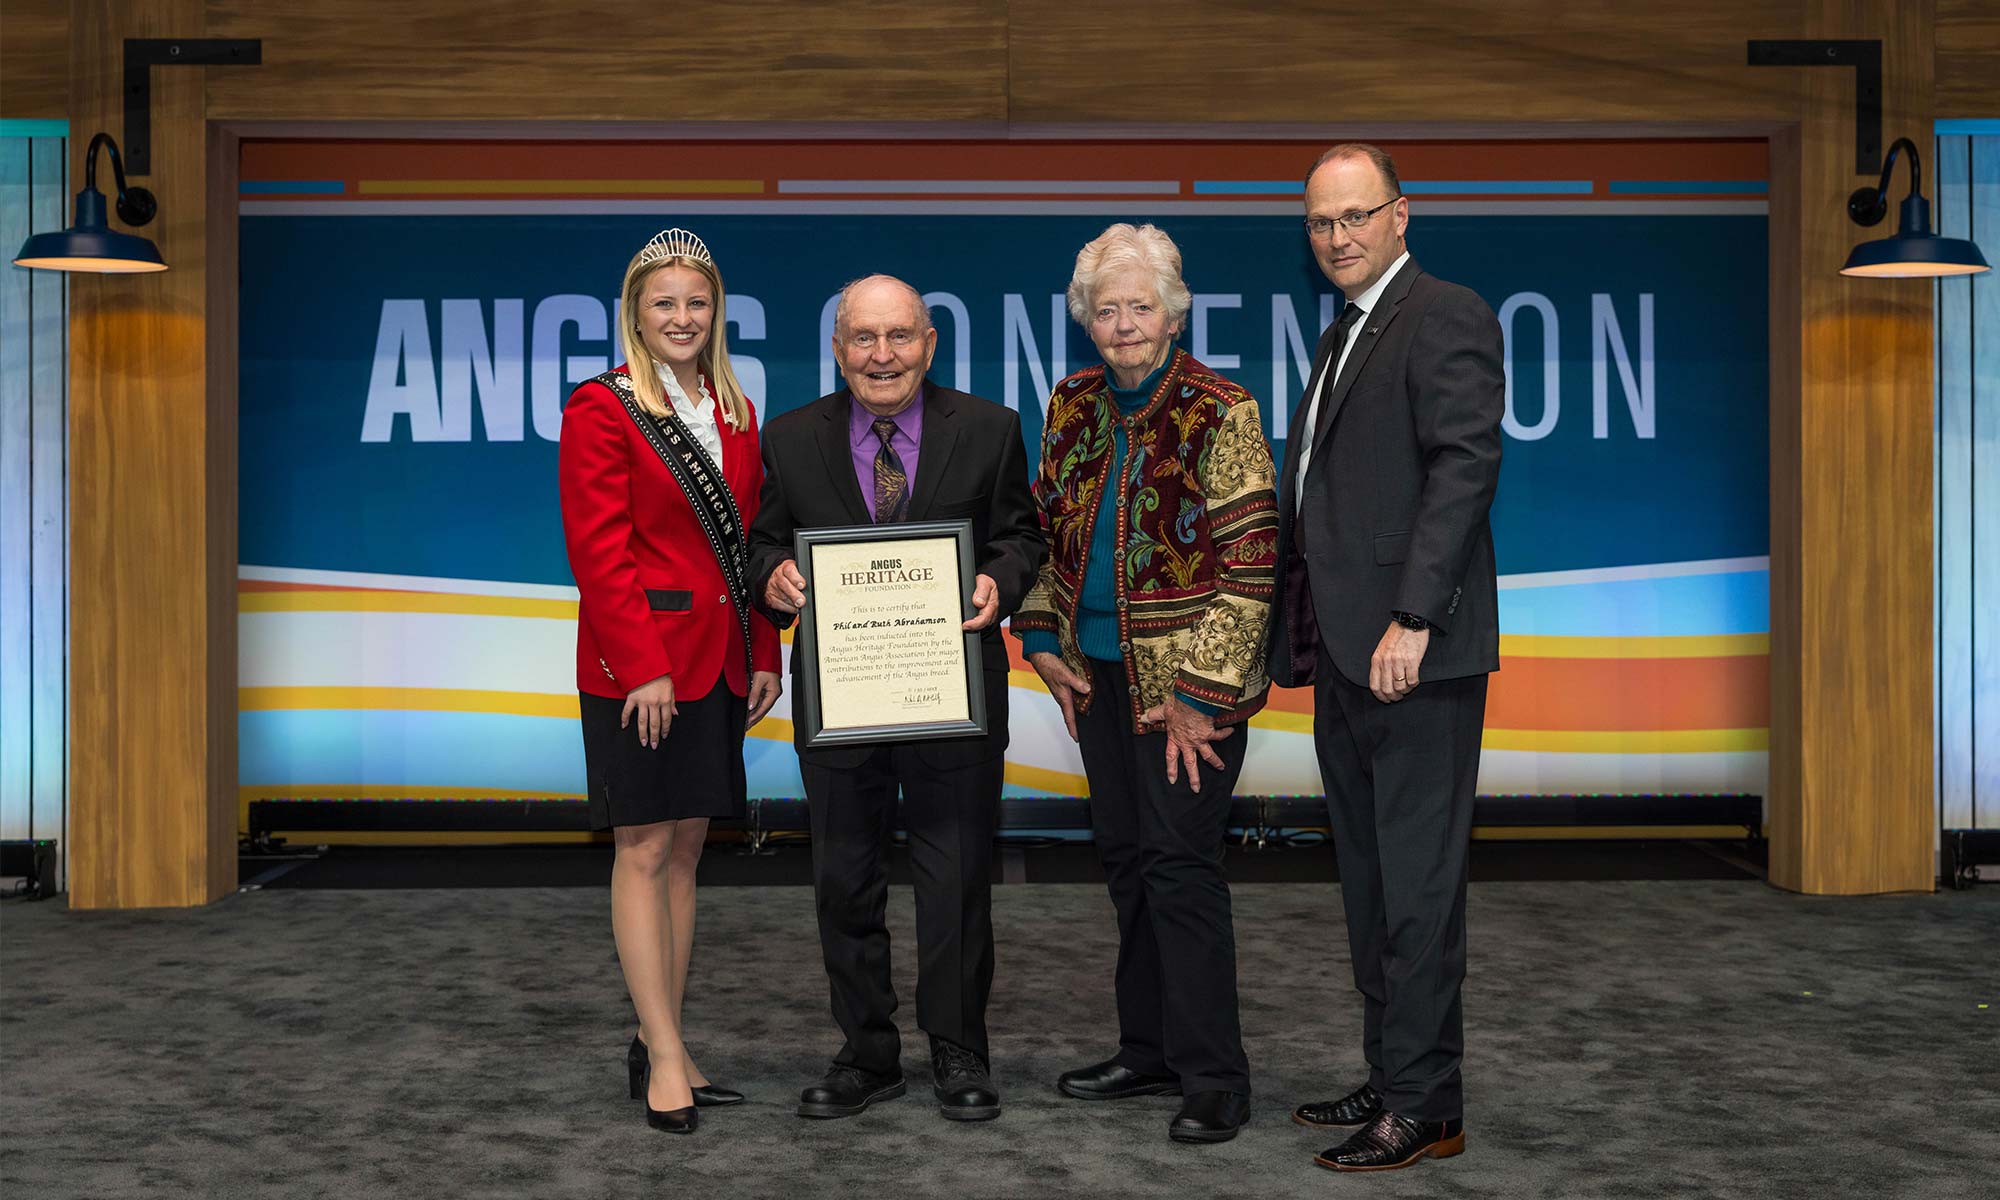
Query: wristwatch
(1410,620)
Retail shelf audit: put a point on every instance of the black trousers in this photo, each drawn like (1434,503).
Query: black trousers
(1399,788)
(1161,845)
(950,815)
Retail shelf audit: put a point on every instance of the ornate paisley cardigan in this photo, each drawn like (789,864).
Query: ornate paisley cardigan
(1197,534)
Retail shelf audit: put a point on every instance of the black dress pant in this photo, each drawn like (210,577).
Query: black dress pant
(1161,845)
(950,815)
(1399,788)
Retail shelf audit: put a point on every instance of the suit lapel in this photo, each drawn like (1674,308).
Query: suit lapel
(1365,342)
(934,451)
(839,456)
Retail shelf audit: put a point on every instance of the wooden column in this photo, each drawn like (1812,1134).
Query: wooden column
(1852,793)
(152,511)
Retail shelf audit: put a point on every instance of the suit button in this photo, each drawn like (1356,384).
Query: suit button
(722,599)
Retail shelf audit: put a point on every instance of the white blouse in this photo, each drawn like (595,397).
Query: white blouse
(699,418)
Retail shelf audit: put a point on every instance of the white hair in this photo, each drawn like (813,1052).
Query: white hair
(1122,248)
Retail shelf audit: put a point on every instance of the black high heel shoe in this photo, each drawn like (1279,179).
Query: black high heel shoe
(639,1067)
(674,1120)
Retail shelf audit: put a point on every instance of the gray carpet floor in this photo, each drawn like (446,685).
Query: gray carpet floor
(1625,1040)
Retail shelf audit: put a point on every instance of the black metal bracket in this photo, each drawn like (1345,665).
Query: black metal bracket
(143,54)
(1865,56)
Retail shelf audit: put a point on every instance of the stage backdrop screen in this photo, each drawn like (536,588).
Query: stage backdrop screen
(414,315)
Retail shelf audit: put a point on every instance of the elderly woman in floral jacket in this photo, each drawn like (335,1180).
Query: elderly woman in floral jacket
(1147,625)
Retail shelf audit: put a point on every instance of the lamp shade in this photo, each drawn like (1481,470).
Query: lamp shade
(90,244)
(1914,252)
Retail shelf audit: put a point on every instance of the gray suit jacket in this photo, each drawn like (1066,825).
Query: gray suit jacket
(1393,515)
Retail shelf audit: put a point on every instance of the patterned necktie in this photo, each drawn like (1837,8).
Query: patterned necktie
(1349,317)
(892,488)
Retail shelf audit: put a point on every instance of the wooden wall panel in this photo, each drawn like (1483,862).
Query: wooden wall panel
(1968,58)
(1455,61)
(1851,546)
(34,61)
(1783,808)
(144,548)
(487,60)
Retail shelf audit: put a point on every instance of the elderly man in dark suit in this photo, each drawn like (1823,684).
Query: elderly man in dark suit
(1387,606)
(892,446)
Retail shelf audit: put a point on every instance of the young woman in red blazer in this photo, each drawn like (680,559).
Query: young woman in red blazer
(659,475)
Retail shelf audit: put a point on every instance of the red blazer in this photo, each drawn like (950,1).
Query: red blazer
(630,530)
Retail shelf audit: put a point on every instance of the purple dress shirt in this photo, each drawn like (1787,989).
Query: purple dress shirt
(862,441)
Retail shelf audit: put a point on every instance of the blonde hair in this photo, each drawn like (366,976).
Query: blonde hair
(714,357)
(1122,248)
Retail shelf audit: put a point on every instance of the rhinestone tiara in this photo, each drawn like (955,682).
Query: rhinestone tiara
(675,243)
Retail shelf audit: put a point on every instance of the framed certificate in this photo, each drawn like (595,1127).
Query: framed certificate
(886,660)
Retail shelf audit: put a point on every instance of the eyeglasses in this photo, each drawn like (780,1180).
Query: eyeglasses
(1353,221)
(899,339)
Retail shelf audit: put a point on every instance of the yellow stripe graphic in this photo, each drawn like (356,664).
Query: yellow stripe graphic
(1726,645)
(564,706)
(406,602)
(473,700)
(1629,741)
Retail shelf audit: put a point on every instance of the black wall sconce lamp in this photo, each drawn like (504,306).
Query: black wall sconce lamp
(91,244)
(1914,251)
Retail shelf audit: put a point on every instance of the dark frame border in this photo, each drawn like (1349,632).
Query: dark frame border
(807,713)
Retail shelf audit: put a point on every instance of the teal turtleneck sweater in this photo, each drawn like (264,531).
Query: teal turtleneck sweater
(1097,607)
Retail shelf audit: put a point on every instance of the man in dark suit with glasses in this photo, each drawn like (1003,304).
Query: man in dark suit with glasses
(1387,606)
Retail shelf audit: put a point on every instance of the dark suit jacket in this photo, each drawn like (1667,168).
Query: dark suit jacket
(1394,513)
(971,464)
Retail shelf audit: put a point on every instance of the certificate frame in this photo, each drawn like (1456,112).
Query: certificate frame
(810,709)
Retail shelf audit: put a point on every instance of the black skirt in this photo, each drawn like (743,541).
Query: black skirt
(697,771)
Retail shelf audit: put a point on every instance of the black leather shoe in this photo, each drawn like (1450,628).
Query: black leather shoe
(962,1083)
(1210,1117)
(1111,1080)
(1357,1107)
(847,1091)
(673,1120)
(1391,1141)
(710,1096)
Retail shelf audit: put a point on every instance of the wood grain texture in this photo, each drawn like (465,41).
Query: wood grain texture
(144,767)
(1782,807)
(1424,60)
(1851,542)
(479,60)
(34,61)
(1968,58)
(219,557)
